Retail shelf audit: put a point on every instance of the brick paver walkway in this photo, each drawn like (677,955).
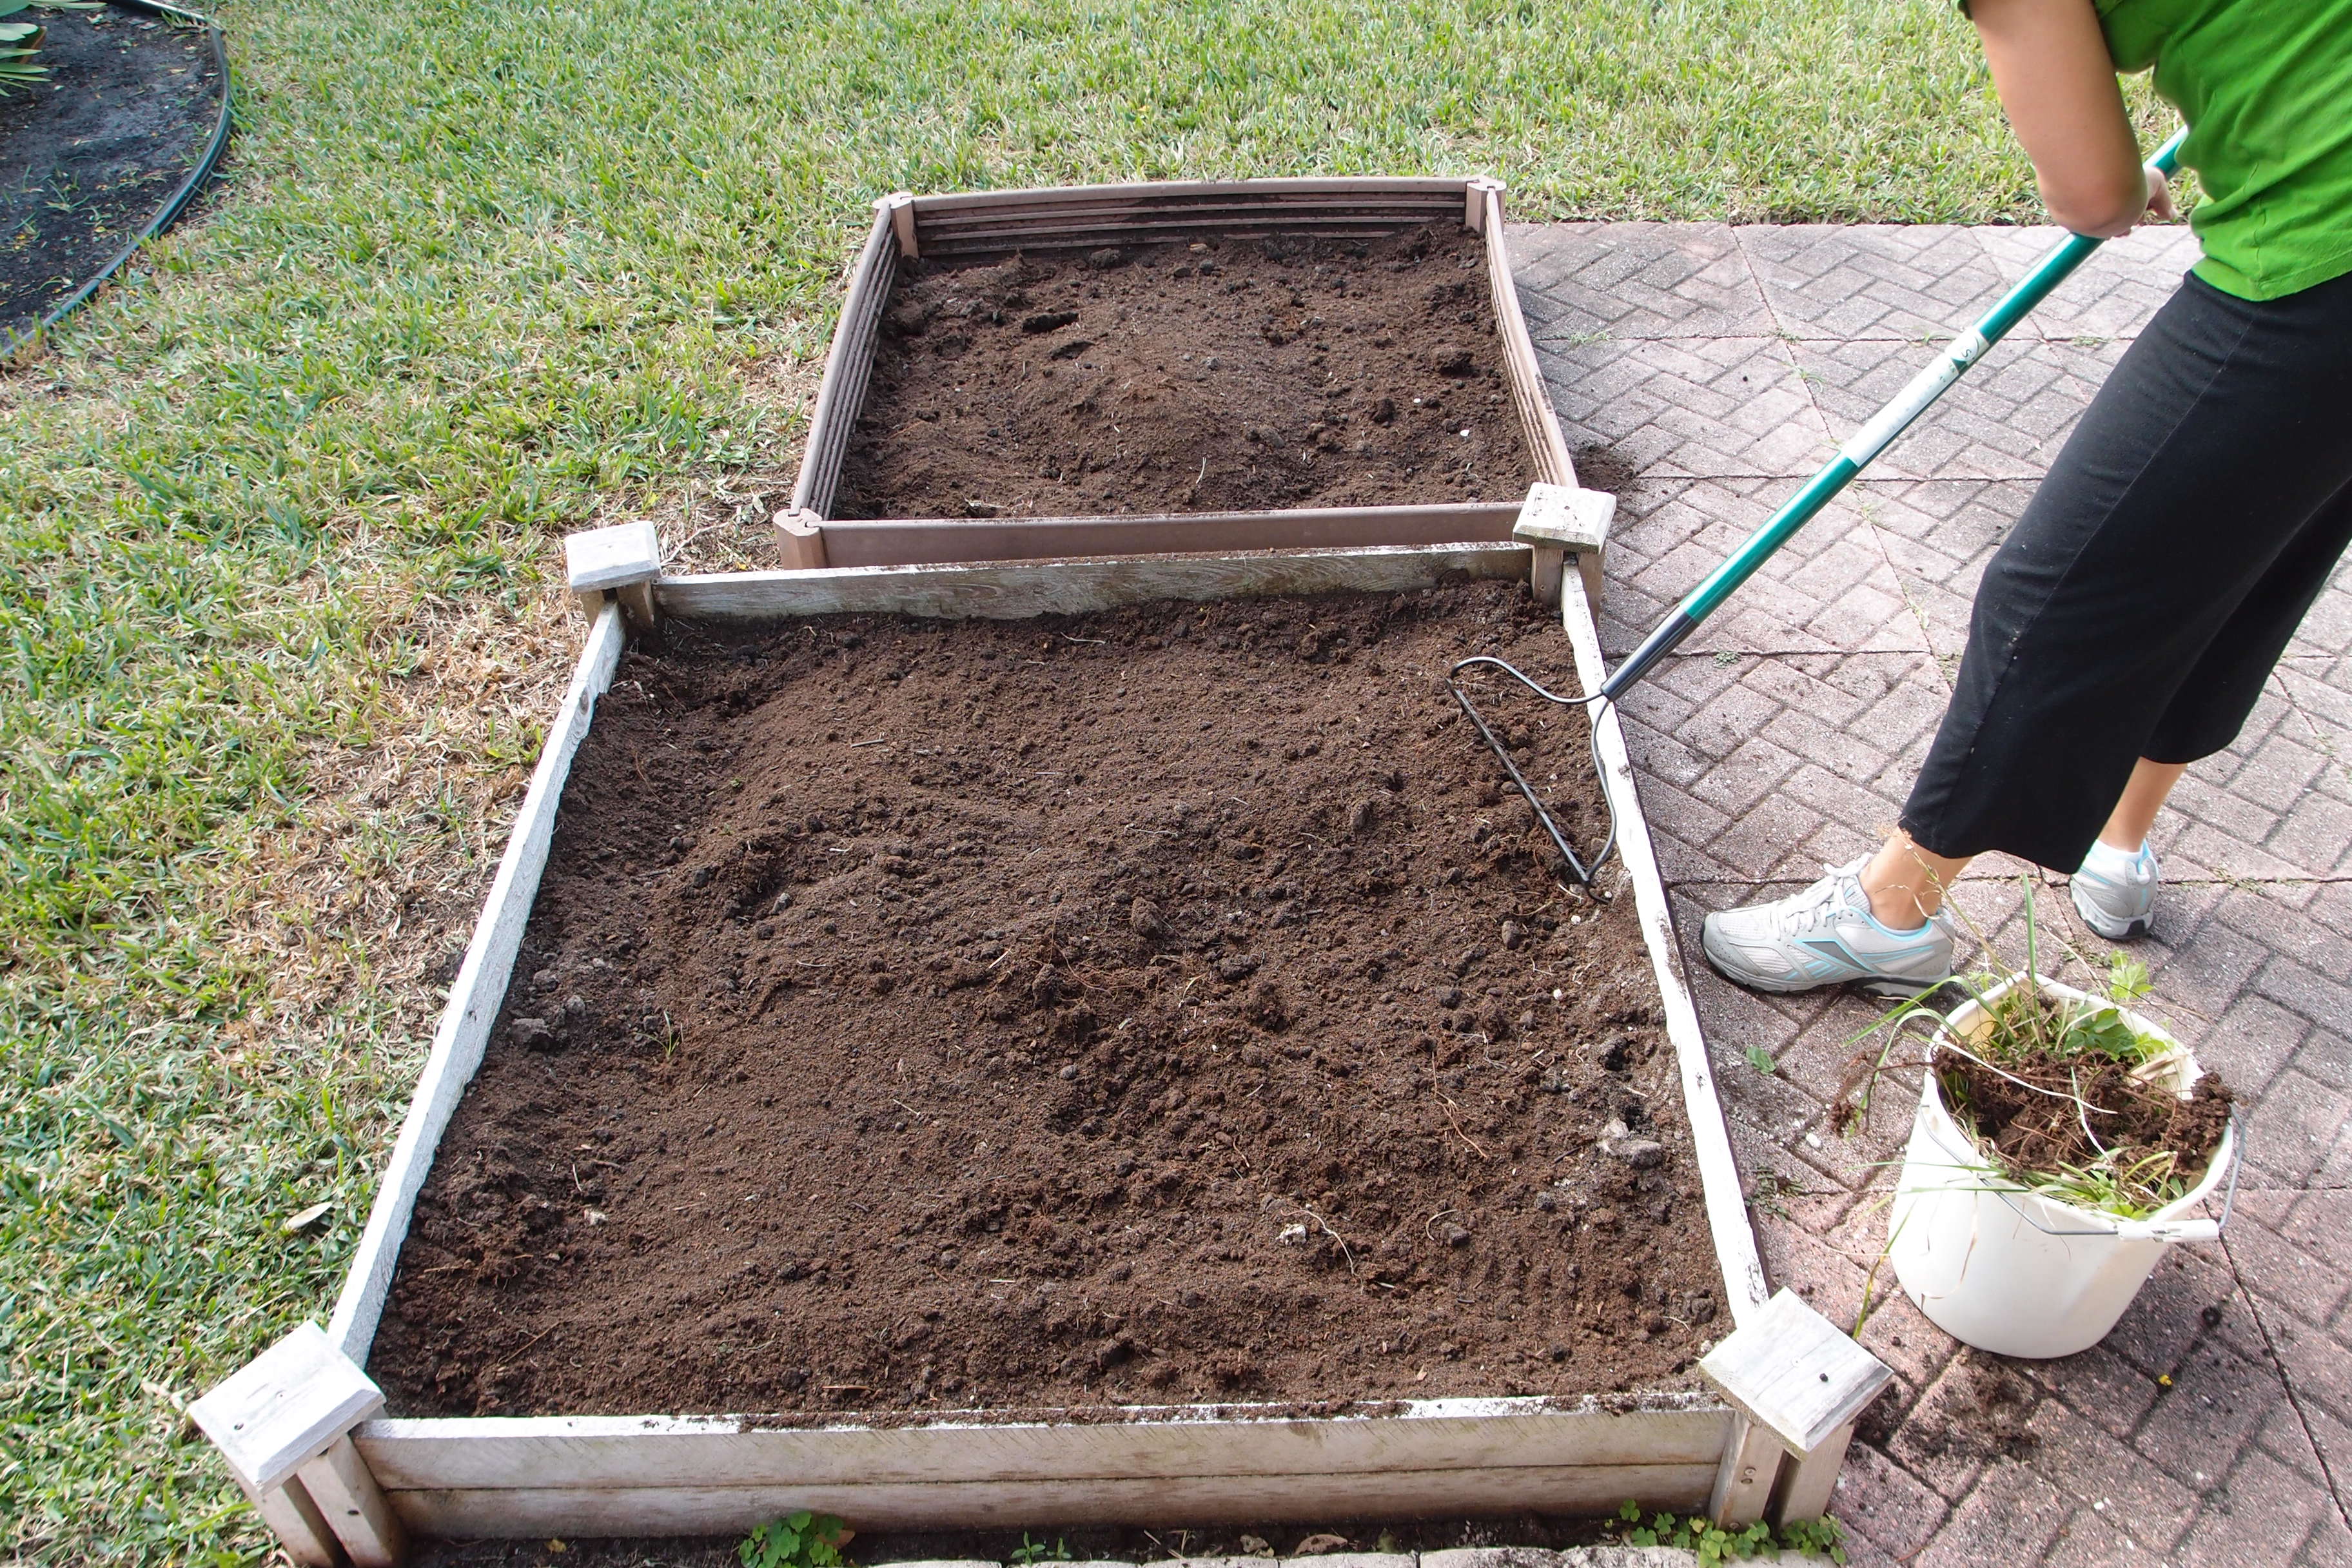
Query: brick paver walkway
(2214,1426)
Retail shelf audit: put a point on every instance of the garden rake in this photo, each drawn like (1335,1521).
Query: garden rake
(1719,585)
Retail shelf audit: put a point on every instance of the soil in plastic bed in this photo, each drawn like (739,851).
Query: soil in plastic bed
(88,154)
(1153,1006)
(1227,376)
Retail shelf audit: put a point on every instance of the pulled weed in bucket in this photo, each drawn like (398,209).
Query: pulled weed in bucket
(2064,1095)
(2075,1104)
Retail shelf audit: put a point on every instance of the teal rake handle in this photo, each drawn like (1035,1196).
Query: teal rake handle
(1863,446)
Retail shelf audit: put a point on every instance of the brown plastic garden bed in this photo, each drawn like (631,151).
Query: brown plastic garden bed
(1284,238)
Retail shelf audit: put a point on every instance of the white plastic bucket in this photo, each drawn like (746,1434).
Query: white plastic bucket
(2012,1272)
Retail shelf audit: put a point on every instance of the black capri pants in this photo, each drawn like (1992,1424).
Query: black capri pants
(2155,577)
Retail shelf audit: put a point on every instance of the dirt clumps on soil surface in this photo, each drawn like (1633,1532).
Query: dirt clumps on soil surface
(1150,1007)
(2087,1112)
(89,153)
(1229,375)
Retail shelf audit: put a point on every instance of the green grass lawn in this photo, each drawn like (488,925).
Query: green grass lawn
(276,520)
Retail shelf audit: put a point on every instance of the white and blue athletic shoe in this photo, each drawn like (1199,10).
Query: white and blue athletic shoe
(1826,935)
(2115,892)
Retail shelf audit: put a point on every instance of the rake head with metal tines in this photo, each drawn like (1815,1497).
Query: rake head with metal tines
(1578,869)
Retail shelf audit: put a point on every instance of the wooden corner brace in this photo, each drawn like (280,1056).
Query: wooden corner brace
(619,563)
(1796,1383)
(1559,522)
(284,1422)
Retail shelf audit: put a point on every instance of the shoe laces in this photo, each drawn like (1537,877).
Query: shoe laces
(1817,904)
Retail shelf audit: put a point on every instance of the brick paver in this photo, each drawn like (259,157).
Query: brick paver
(1721,364)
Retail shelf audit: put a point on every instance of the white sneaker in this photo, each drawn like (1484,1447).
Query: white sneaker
(2115,892)
(1826,935)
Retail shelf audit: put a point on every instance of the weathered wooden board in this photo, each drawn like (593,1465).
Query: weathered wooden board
(852,543)
(1537,419)
(474,998)
(1727,1204)
(525,1511)
(1011,592)
(609,1451)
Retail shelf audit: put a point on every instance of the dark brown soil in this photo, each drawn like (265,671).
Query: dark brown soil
(1152,1007)
(2054,1130)
(87,156)
(1231,375)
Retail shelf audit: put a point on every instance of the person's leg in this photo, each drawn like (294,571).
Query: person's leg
(2142,596)
(2144,796)
(1906,882)
(2194,473)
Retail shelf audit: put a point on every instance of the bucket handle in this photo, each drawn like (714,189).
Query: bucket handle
(2168,1231)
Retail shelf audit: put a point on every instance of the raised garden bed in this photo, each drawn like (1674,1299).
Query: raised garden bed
(1159,1003)
(1174,1088)
(1009,379)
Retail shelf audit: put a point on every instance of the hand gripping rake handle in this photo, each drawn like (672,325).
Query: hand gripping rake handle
(1801,509)
(1864,445)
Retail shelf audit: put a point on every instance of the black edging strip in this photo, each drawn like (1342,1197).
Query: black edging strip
(174,205)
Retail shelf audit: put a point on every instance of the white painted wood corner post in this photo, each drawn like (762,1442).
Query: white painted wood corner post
(1559,522)
(1797,1383)
(621,562)
(283,1422)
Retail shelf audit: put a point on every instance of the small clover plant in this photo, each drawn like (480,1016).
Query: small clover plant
(802,1540)
(1715,1544)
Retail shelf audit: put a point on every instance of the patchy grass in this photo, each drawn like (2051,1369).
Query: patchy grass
(275,636)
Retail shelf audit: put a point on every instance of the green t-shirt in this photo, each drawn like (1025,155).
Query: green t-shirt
(2266,88)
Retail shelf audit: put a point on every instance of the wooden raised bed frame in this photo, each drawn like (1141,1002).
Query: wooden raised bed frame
(300,1425)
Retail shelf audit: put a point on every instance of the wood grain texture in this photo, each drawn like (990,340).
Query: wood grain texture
(1683,1429)
(353,1506)
(1808,1483)
(280,1409)
(1744,1482)
(474,998)
(301,1531)
(1072,587)
(948,540)
(1727,1205)
(1795,1372)
(1204,1499)
(1444,194)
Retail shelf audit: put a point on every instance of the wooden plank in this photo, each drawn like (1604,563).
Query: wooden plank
(852,543)
(354,1507)
(620,1452)
(279,1410)
(998,238)
(729,1511)
(301,1529)
(1795,1372)
(1744,1482)
(850,360)
(474,998)
(1069,587)
(1807,1484)
(1727,1205)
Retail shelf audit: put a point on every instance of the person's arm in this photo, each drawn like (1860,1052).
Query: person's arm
(2057,84)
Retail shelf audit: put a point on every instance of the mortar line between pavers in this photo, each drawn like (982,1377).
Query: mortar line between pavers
(2286,1383)
(2050,878)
